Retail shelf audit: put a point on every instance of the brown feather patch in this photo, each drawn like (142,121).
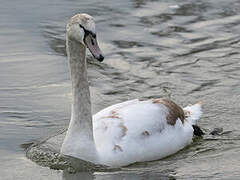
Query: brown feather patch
(111,116)
(145,133)
(174,111)
(114,113)
(117,148)
(124,129)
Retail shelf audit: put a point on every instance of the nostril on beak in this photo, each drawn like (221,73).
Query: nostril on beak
(101,58)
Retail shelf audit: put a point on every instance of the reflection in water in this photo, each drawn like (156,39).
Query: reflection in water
(119,175)
(77,176)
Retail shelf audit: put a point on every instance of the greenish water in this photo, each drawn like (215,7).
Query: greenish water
(185,50)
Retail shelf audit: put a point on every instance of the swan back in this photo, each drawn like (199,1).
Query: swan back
(136,131)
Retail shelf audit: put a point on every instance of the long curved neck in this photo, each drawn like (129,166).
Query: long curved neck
(79,140)
(81,96)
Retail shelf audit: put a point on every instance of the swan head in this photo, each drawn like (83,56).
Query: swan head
(81,28)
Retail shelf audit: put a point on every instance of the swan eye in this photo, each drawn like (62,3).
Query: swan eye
(87,32)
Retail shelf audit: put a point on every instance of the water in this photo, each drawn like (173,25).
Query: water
(185,50)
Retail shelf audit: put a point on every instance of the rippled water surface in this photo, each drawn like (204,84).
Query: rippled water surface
(184,50)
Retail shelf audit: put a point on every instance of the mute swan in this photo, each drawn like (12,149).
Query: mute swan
(124,133)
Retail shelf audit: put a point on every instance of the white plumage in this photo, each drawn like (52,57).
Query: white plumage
(124,133)
(136,131)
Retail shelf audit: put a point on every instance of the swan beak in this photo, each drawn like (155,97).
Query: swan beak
(92,45)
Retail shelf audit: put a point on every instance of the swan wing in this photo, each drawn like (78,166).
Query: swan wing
(136,130)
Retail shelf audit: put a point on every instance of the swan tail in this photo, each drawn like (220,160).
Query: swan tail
(193,113)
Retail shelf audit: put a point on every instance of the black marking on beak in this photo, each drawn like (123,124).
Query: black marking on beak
(101,58)
(87,32)
(91,43)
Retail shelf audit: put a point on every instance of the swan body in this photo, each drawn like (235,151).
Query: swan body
(124,133)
